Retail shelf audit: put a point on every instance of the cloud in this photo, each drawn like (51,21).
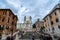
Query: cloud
(14,3)
(56,1)
(22,9)
(34,8)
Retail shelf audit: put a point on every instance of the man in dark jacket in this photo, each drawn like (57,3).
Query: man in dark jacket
(0,35)
(33,38)
(8,38)
(50,38)
(11,37)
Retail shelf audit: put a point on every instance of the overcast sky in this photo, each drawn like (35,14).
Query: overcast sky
(35,8)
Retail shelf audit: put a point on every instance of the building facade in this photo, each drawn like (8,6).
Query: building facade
(8,21)
(52,20)
(38,24)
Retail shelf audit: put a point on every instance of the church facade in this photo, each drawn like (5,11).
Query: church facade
(27,24)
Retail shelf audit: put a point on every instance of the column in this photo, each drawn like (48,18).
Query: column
(58,14)
(49,22)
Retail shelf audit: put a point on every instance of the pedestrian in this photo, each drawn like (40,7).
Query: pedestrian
(11,37)
(41,37)
(50,38)
(8,38)
(30,36)
(45,37)
(0,37)
(21,35)
(58,38)
(33,38)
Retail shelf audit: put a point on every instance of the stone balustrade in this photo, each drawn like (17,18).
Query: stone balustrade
(4,37)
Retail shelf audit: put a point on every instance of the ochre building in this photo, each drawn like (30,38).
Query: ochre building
(52,20)
(8,21)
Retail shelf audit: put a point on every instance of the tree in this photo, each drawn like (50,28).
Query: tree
(34,26)
(42,28)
